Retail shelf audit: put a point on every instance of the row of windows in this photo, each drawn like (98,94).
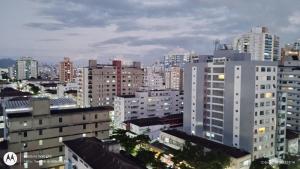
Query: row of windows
(60,120)
(265,69)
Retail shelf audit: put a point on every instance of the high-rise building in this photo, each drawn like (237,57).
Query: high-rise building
(179,57)
(101,82)
(154,80)
(288,96)
(176,57)
(174,78)
(145,104)
(37,128)
(290,52)
(260,43)
(232,100)
(26,68)
(66,70)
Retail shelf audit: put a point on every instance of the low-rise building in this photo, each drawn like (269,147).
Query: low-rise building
(145,104)
(292,142)
(91,153)
(36,132)
(175,139)
(152,126)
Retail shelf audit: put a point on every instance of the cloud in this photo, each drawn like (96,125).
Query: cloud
(50,40)
(143,28)
(46,26)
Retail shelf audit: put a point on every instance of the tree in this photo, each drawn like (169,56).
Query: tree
(194,156)
(293,162)
(35,90)
(261,163)
(125,141)
(146,156)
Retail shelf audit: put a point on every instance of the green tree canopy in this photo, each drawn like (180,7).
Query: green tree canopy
(261,163)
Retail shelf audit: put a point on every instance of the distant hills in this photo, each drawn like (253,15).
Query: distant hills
(5,63)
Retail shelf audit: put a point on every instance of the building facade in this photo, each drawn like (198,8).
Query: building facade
(26,68)
(232,100)
(153,79)
(174,78)
(37,134)
(145,104)
(102,82)
(260,43)
(66,71)
(91,153)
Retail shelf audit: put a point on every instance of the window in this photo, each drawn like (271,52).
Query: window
(60,129)
(40,121)
(40,132)
(25,123)
(25,134)
(96,125)
(60,139)
(96,116)
(40,162)
(60,148)
(26,165)
(83,117)
(84,126)
(60,119)
(40,142)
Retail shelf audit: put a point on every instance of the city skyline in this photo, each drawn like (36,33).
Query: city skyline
(134,30)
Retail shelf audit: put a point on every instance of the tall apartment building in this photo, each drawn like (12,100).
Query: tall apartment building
(145,104)
(232,100)
(290,52)
(66,70)
(82,79)
(154,79)
(260,43)
(288,93)
(174,78)
(179,57)
(37,132)
(101,82)
(26,68)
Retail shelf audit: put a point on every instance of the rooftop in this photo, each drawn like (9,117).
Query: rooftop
(231,151)
(19,103)
(127,96)
(170,119)
(49,84)
(92,152)
(291,135)
(11,92)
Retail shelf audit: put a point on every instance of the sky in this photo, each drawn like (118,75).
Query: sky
(142,30)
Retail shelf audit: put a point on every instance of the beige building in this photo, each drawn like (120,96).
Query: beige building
(37,134)
(175,139)
(66,71)
(174,78)
(99,83)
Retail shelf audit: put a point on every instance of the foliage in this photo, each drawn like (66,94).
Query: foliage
(125,141)
(35,90)
(292,162)
(148,158)
(196,157)
(144,155)
(261,163)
